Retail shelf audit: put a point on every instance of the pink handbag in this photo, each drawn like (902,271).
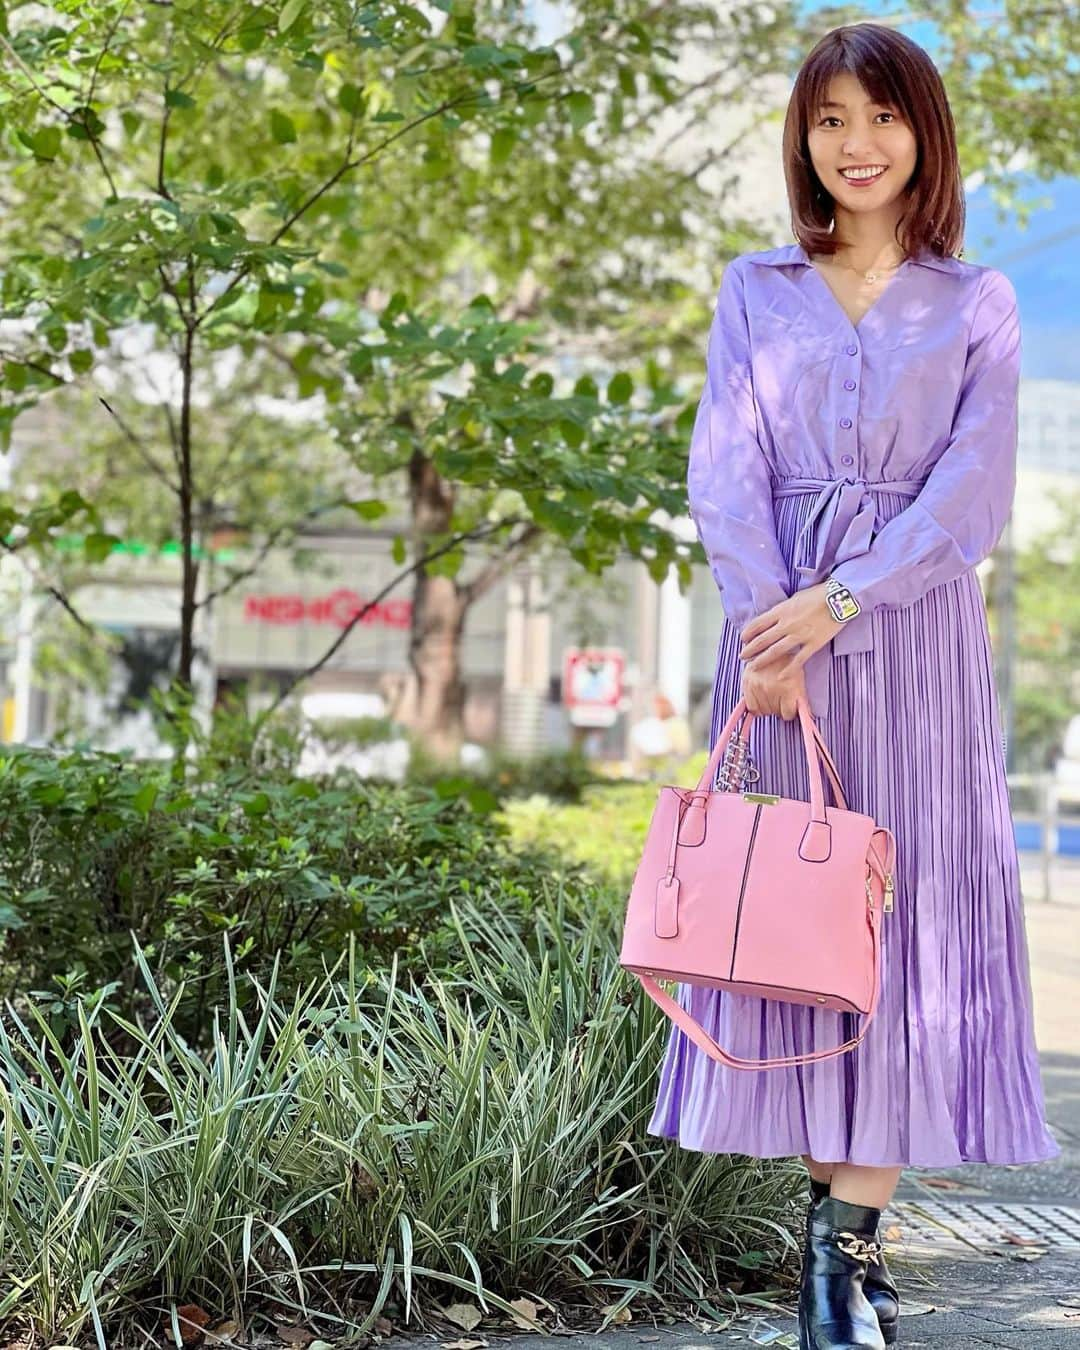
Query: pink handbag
(760,894)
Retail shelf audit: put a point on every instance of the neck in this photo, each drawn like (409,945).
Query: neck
(867,241)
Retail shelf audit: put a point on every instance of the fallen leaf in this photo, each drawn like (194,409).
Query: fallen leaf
(462,1345)
(623,1315)
(191,1320)
(893,1233)
(1070,1301)
(1028,1256)
(464,1315)
(299,1336)
(1018,1241)
(224,1330)
(943,1183)
(383,1326)
(525,1309)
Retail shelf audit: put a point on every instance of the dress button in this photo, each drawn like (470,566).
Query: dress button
(849,384)
(847,459)
(845,421)
(851,349)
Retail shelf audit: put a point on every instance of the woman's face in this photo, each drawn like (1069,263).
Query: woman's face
(850,131)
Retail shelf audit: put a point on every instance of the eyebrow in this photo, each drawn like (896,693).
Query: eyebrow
(830,103)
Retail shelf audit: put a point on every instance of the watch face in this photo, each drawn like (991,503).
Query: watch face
(843,604)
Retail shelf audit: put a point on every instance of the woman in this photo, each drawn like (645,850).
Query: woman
(858,428)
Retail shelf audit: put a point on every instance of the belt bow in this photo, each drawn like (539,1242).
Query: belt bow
(841,524)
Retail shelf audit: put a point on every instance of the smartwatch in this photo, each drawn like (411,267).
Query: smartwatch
(842,604)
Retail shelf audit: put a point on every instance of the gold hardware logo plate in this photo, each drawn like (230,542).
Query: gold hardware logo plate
(766,798)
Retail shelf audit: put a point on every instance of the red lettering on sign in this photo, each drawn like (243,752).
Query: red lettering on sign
(339,608)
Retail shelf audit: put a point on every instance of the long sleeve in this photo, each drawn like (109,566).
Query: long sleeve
(959,514)
(728,483)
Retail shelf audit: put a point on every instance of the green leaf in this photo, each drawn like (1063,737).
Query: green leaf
(144,799)
(502,144)
(369,509)
(351,98)
(257,805)
(81,360)
(620,387)
(447,564)
(398,550)
(581,108)
(45,142)
(281,127)
(572,434)
(176,98)
(97,547)
(290,12)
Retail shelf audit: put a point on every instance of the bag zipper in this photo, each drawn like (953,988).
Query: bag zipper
(887,907)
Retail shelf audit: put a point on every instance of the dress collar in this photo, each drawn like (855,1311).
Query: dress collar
(795,255)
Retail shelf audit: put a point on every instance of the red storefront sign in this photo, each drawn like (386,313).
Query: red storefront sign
(338,608)
(592,686)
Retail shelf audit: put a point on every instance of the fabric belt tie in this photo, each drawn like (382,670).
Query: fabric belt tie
(841,524)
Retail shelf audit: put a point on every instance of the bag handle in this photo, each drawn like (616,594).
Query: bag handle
(714,1050)
(813,744)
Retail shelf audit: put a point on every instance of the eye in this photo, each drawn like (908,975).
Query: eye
(832,118)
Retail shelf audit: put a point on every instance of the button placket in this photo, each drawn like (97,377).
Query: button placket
(851,349)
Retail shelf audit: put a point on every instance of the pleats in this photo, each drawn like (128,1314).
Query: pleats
(948,1071)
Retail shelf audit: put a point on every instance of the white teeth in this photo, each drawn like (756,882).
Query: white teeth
(863,173)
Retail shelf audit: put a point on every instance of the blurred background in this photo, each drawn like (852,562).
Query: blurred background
(350,614)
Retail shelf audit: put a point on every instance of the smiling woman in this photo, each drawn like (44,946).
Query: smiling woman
(858,425)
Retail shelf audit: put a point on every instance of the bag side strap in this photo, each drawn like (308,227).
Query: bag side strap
(705,1042)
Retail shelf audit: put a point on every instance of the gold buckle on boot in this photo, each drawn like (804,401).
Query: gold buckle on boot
(859,1248)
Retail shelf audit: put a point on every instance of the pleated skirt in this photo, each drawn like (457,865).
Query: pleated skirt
(948,1071)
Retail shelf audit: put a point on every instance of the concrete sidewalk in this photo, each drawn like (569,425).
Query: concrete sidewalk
(990,1256)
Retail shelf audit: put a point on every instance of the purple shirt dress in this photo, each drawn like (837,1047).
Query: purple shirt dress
(884,454)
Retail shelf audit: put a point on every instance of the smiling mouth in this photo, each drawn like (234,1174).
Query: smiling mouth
(864,177)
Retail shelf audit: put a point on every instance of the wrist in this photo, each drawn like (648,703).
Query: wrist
(840,601)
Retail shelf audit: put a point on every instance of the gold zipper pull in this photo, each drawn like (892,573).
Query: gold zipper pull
(888,893)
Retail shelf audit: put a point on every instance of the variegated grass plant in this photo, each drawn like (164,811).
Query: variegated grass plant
(377,1144)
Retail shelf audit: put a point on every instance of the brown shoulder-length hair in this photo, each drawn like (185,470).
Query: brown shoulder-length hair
(892,69)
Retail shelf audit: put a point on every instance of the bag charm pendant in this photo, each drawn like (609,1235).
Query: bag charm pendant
(737,766)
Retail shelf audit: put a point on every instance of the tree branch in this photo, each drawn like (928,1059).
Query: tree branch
(144,454)
(58,595)
(313,669)
(235,578)
(497,567)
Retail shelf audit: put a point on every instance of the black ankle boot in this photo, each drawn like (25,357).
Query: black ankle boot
(878,1286)
(834,1312)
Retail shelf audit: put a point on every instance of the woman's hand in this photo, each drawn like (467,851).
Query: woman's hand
(776,647)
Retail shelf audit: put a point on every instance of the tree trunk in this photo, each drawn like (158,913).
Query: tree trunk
(438,621)
(189,564)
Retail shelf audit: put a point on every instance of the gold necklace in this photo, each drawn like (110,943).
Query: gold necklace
(874,272)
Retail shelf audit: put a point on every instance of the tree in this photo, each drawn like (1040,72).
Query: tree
(397,216)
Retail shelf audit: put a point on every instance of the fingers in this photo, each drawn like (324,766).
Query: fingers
(757,625)
(782,650)
(758,634)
